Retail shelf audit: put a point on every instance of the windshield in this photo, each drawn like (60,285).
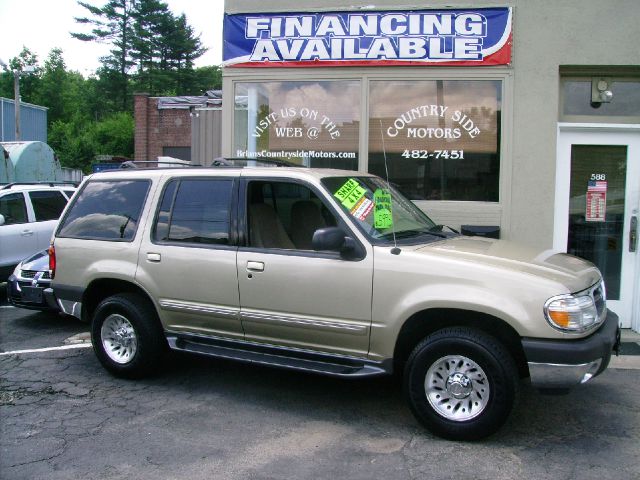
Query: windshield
(380,210)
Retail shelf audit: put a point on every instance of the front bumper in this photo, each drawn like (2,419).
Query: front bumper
(36,301)
(566,363)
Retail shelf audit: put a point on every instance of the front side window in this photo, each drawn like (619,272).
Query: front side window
(195,211)
(106,210)
(13,209)
(437,139)
(315,124)
(285,215)
(47,205)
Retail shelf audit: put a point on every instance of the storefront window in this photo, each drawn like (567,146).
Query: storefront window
(315,124)
(438,139)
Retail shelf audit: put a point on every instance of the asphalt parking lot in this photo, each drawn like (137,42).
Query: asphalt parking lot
(63,417)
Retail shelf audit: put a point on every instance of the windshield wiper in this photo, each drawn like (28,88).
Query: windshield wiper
(440,228)
(412,233)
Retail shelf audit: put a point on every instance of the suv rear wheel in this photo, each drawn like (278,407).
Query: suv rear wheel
(461,383)
(127,336)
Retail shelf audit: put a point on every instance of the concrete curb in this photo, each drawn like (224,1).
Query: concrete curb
(627,362)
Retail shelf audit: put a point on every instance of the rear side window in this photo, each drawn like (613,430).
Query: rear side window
(195,211)
(106,210)
(13,208)
(47,205)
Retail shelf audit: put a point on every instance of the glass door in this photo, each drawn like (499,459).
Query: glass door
(600,171)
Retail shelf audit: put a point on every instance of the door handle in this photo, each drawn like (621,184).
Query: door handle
(633,234)
(154,257)
(255,266)
(27,233)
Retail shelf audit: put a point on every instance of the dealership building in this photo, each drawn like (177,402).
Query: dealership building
(522,118)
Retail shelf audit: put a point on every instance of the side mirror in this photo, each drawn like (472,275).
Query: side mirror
(1,220)
(332,238)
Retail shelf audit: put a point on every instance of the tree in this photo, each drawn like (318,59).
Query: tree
(113,23)
(153,50)
(6,84)
(77,141)
(205,78)
(165,48)
(52,88)
(150,27)
(26,60)
(183,48)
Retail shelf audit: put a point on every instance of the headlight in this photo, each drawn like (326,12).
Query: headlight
(577,312)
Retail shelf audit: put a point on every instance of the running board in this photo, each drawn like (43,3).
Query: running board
(294,359)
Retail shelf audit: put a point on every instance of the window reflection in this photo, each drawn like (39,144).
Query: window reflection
(47,205)
(314,124)
(101,226)
(441,138)
(106,211)
(13,208)
(195,211)
(596,209)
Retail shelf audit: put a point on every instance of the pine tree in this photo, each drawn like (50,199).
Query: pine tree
(113,23)
(153,50)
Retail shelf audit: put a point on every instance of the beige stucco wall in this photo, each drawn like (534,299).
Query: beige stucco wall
(547,34)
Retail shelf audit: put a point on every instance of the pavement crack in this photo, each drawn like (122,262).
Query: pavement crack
(10,397)
(61,451)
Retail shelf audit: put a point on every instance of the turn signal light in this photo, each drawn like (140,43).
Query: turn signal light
(561,319)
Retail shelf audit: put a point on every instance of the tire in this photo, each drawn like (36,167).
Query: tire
(461,383)
(127,336)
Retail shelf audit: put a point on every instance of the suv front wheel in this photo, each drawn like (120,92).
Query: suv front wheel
(461,383)
(126,335)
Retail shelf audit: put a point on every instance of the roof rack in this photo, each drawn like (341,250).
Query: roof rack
(218,162)
(253,162)
(42,183)
(156,163)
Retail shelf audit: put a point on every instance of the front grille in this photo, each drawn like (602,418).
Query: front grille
(32,274)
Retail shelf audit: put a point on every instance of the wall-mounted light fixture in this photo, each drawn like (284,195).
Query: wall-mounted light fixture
(600,91)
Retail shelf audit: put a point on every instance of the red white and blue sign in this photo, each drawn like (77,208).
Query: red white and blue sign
(474,37)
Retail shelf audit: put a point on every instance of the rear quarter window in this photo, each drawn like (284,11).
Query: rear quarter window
(106,210)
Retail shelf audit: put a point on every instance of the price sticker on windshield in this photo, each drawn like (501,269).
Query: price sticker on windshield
(382,216)
(350,193)
(362,209)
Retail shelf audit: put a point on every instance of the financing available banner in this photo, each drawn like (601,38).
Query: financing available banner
(469,37)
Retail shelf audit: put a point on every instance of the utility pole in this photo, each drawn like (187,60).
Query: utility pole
(16,105)
(16,93)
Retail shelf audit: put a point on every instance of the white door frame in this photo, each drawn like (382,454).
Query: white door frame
(616,134)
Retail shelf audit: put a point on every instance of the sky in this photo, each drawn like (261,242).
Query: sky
(42,25)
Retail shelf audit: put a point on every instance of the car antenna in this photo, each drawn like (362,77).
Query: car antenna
(395,250)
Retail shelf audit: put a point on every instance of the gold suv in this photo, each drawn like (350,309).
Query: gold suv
(332,272)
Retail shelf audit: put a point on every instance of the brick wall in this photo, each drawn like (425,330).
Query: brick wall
(156,129)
